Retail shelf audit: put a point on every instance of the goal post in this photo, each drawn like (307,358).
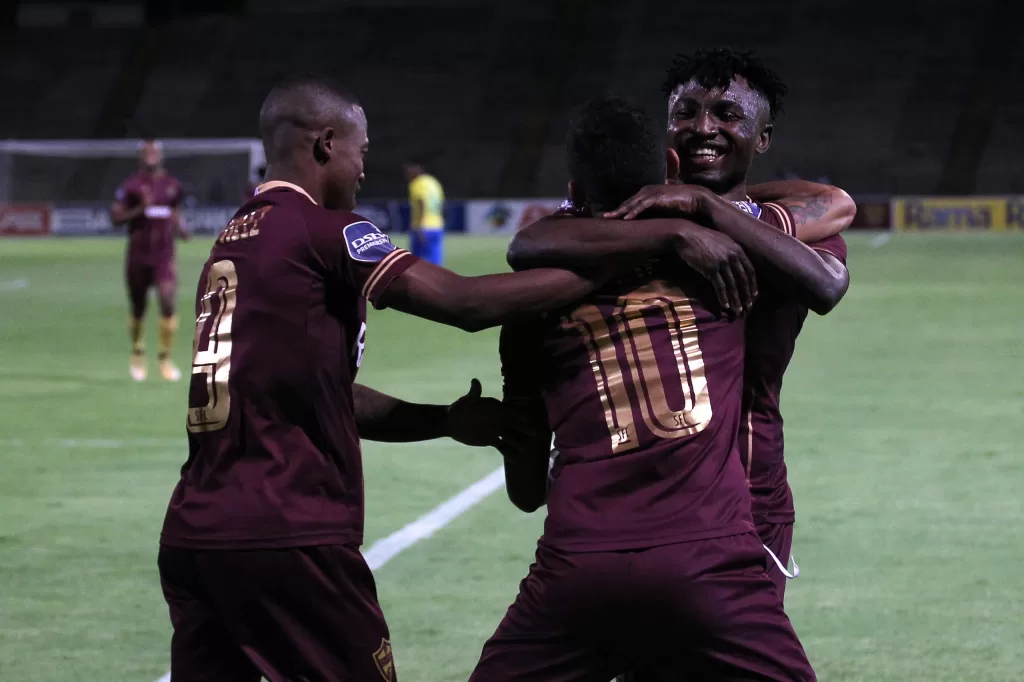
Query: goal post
(212,171)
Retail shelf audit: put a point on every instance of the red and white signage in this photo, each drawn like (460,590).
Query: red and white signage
(24,220)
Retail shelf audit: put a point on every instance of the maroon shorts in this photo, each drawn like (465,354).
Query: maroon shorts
(778,537)
(702,610)
(308,613)
(143,276)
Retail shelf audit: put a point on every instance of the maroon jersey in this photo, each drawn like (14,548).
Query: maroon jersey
(772,328)
(151,235)
(642,386)
(274,457)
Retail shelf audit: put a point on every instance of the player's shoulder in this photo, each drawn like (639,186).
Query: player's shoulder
(777,215)
(128,186)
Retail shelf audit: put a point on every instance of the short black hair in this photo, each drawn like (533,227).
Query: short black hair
(614,148)
(716,68)
(303,102)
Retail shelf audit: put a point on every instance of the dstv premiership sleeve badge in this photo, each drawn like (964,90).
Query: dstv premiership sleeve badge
(365,243)
(749,207)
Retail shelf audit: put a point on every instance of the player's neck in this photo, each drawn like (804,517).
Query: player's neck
(734,192)
(294,177)
(737,193)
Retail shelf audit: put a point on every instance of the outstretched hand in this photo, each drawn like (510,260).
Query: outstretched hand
(481,422)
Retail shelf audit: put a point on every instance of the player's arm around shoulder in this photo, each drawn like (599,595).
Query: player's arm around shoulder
(818,211)
(795,267)
(390,277)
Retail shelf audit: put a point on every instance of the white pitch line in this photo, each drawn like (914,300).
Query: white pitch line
(880,240)
(386,549)
(14,285)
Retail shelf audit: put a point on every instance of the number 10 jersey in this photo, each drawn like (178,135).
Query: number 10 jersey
(642,385)
(274,457)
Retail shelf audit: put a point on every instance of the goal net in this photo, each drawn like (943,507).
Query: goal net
(212,171)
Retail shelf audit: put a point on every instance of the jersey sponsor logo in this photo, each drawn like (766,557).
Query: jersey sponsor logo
(749,207)
(157,212)
(366,243)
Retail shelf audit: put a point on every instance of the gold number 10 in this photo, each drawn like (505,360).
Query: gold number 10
(211,348)
(625,331)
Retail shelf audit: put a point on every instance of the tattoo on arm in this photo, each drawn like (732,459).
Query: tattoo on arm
(808,209)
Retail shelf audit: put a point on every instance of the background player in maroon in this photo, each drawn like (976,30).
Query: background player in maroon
(148,202)
(259,557)
(648,553)
(722,106)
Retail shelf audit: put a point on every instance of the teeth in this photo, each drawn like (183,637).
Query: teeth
(705,152)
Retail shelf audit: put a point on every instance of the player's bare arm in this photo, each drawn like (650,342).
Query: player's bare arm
(471,420)
(817,279)
(476,303)
(819,211)
(583,243)
(526,450)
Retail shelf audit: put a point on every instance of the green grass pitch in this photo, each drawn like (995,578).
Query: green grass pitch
(905,418)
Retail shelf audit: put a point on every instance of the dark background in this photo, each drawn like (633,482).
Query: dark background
(885,97)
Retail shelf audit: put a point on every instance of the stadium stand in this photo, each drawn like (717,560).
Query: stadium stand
(479,90)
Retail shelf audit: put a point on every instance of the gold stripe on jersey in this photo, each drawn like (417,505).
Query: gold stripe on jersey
(677,311)
(783,217)
(381,270)
(750,442)
(618,414)
(628,323)
(275,184)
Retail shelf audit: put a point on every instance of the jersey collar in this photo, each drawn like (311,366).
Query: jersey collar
(276,184)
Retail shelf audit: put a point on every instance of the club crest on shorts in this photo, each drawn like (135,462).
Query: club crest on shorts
(385,663)
(365,243)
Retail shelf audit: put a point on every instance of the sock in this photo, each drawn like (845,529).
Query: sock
(168,325)
(135,330)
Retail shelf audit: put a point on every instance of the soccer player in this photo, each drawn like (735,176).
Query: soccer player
(722,108)
(259,557)
(649,553)
(426,205)
(148,202)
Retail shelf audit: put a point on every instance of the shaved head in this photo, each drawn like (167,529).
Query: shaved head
(296,110)
(314,136)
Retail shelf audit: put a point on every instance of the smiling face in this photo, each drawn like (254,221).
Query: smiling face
(717,132)
(345,145)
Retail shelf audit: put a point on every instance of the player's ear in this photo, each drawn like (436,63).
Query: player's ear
(764,139)
(671,165)
(324,146)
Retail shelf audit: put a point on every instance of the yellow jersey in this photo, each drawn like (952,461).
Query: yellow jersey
(426,196)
